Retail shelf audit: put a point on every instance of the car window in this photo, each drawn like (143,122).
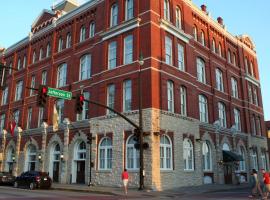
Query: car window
(1,174)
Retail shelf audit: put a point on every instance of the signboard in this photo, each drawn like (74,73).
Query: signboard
(61,94)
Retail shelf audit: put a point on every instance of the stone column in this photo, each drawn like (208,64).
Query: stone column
(220,172)
(4,139)
(17,151)
(43,146)
(65,177)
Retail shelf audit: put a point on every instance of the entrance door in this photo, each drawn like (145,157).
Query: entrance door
(80,172)
(55,171)
(228,174)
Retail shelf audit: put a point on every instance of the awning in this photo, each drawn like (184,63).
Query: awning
(229,156)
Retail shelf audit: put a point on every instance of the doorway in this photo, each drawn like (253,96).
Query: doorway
(228,174)
(80,172)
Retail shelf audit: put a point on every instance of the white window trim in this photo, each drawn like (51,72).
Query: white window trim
(192,154)
(205,157)
(165,146)
(135,152)
(105,148)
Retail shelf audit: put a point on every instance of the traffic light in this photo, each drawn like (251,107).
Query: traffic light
(89,139)
(79,103)
(42,96)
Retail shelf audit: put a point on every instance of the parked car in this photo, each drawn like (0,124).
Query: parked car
(33,180)
(6,178)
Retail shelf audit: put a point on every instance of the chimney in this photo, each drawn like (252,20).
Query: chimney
(220,21)
(204,8)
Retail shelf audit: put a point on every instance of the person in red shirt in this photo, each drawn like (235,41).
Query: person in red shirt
(125,180)
(266,181)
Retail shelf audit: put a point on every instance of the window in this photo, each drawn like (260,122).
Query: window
(92,29)
(60,44)
(219,80)
(10,67)
(234,59)
(31,155)
(132,155)
(24,61)
(242,164)
(60,109)
(202,38)
(251,69)
(114,15)
(41,53)
(195,33)
(222,114)
(85,67)
(178,16)
(234,87)
(18,91)
(207,156)
(29,118)
(44,78)
(237,119)
(110,97)
(33,82)
(105,154)
(112,55)
(81,151)
(170,96)
(246,65)
(82,34)
(16,115)
(34,59)
(188,155)
(264,162)
(128,49)
(165,153)
(229,56)
(253,125)
(127,95)
(40,116)
(201,70)
(168,47)
(19,64)
(68,41)
(219,50)
(4,96)
(254,160)
(85,112)
(183,99)
(2,122)
(129,9)
(203,108)
(181,59)
(61,75)
(259,126)
(213,45)
(48,50)
(166,10)
(255,96)
(250,93)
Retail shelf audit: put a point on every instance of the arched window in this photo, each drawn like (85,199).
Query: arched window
(48,50)
(188,155)
(251,69)
(237,119)
(68,40)
(92,29)
(219,80)
(129,9)
(203,108)
(229,56)
(183,101)
(234,59)
(10,160)
(132,155)
(254,159)
(214,45)
(234,87)
(253,125)
(56,153)
(82,34)
(165,153)
(178,22)
(166,10)
(60,44)
(62,75)
(170,96)
(222,114)
(85,67)
(19,64)
(31,156)
(41,53)
(201,70)
(225,147)
(105,154)
(202,38)
(264,162)
(114,15)
(34,57)
(195,33)
(246,65)
(242,164)
(219,50)
(81,151)
(207,156)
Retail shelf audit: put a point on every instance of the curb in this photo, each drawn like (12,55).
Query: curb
(86,191)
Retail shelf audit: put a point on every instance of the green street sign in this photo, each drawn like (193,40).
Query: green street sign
(61,94)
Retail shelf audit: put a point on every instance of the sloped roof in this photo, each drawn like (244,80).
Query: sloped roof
(43,16)
(246,39)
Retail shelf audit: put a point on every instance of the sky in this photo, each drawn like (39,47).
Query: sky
(239,16)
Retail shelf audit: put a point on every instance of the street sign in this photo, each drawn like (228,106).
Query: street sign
(61,94)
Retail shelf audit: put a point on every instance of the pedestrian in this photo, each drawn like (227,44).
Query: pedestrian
(125,180)
(255,185)
(266,181)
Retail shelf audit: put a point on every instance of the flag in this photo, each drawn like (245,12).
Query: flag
(12,126)
(55,118)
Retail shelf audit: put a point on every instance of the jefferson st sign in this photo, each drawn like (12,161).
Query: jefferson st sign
(61,94)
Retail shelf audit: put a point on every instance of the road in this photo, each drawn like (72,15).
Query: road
(9,193)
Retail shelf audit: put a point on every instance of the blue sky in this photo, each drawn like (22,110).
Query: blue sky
(240,17)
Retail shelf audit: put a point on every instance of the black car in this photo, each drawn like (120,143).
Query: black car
(6,178)
(33,180)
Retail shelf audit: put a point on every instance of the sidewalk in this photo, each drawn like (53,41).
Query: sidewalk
(182,191)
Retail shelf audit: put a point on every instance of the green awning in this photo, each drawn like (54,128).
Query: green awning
(229,156)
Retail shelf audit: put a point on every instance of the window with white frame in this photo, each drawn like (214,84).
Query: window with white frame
(48,50)
(81,151)
(2,122)
(68,40)
(31,156)
(40,116)
(246,65)
(128,49)
(16,115)
(207,156)
(188,155)
(214,45)
(33,82)
(219,50)
(202,38)
(19,64)
(251,69)
(127,95)
(165,153)
(85,112)
(178,15)
(129,9)
(85,67)
(234,87)
(92,30)
(183,101)
(34,58)
(105,154)
(264,162)
(242,164)
(62,75)
(166,10)
(110,97)
(253,125)
(41,53)
(24,61)
(82,34)
(18,91)
(203,108)
(168,50)
(234,59)
(181,57)
(114,15)
(222,115)
(255,96)
(44,78)
(10,67)
(259,126)
(170,96)
(132,155)
(60,44)
(60,109)
(237,119)
(112,55)
(254,160)
(29,118)
(195,33)
(250,97)
(4,96)
(229,56)
(219,80)
(201,70)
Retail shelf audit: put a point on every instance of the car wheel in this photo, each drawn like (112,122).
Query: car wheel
(16,184)
(32,186)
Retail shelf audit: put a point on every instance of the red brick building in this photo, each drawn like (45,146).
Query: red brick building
(201,93)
